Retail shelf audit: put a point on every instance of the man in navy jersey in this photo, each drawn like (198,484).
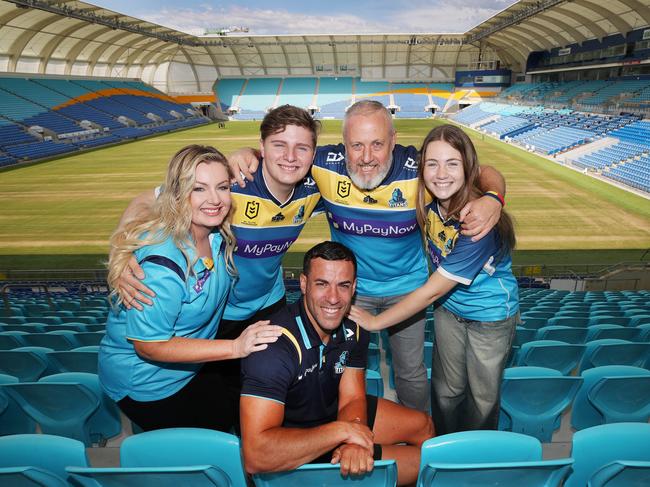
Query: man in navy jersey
(368,187)
(304,399)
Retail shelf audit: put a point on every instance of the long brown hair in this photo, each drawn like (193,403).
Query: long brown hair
(470,191)
(170,215)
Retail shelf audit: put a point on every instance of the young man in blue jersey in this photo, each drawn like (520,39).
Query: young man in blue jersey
(368,187)
(304,398)
(269,214)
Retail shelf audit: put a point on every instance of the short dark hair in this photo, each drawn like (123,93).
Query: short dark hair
(277,120)
(328,250)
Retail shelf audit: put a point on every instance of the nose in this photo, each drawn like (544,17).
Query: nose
(290,155)
(214,197)
(367,155)
(441,171)
(332,295)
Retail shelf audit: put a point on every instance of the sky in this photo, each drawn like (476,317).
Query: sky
(312,17)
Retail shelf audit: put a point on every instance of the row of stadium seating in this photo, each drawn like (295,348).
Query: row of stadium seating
(250,98)
(44,117)
(196,457)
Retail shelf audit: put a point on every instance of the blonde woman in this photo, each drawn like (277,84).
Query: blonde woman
(150,361)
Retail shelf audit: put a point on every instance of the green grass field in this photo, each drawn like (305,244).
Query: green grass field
(59,214)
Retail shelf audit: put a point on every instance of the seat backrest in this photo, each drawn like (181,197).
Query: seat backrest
(622,473)
(595,447)
(192,476)
(622,399)
(480,447)
(27,366)
(383,474)
(52,453)
(30,477)
(185,446)
(547,473)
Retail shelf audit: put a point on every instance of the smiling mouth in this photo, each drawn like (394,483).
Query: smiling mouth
(330,311)
(288,168)
(212,211)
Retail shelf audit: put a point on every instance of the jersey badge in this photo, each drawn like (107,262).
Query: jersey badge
(300,215)
(343,188)
(252,209)
(334,157)
(411,164)
(397,200)
(339,367)
(309,182)
(277,218)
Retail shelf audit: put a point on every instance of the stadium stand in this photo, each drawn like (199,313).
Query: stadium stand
(45,117)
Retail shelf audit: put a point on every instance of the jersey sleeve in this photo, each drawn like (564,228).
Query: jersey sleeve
(156,322)
(467,258)
(268,374)
(359,354)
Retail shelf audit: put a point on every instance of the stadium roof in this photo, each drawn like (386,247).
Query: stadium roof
(77,38)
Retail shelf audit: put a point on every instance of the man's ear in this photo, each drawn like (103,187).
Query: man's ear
(354,286)
(303,283)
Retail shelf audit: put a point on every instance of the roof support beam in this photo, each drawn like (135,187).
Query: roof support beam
(622,26)
(593,27)
(639,8)
(60,37)
(17,47)
(572,31)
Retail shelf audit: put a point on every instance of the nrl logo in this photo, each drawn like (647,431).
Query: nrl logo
(252,209)
(343,188)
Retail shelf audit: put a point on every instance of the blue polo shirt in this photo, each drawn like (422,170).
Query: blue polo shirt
(486,290)
(189,307)
(379,225)
(265,229)
(300,371)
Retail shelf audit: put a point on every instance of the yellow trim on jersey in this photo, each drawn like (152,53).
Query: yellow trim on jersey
(258,211)
(293,340)
(338,188)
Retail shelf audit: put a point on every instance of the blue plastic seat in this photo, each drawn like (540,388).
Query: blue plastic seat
(50,453)
(374,383)
(544,473)
(13,420)
(30,477)
(177,447)
(85,339)
(611,351)
(74,361)
(479,447)
(551,354)
(533,399)
(383,474)
(9,342)
(105,422)
(570,321)
(374,356)
(622,399)
(534,323)
(524,335)
(622,473)
(566,334)
(193,476)
(54,340)
(584,414)
(593,448)
(27,366)
(599,332)
(609,320)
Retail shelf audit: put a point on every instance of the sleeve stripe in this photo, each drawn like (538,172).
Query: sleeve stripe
(165,262)
(262,397)
(161,340)
(453,277)
(293,340)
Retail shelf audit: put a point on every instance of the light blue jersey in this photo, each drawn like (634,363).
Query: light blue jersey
(189,308)
(486,291)
(378,225)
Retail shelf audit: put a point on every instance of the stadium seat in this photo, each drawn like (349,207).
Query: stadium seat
(533,399)
(543,473)
(374,357)
(599,332)
(30,477)
(622,399)
(566,334)
(178,447)
(596,447)
(55,340)
(89,338)
(523,335)
(610,351)
(584,414)
(74,361)
(50,453)
(622,473)
(26,366)
(551,354)
(105,422)
(13,419)
(193,476)
(384,474)
(374,383)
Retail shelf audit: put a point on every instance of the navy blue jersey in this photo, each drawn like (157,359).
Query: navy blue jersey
(378,225)
(300,371)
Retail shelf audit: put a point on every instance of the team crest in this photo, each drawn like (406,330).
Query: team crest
(397,200)
(343,188)
(300,215)
(252,209)
(339,367)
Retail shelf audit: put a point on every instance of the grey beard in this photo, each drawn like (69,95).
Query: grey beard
(369,185)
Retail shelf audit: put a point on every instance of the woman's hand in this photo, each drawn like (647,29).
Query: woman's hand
(362,318)
(130,288)
(254,338)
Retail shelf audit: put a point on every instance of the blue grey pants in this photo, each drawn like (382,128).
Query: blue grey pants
(467,369)
(407,348)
